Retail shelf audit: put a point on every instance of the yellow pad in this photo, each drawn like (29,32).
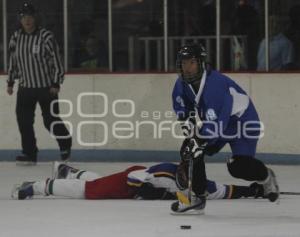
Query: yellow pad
(182,198)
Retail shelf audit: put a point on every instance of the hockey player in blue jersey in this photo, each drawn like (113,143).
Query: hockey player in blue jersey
(136,182)
(228,116)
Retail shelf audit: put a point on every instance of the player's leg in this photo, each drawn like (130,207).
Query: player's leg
(245,166)
(58,187)
(215,148)
(63,171)
(109,187)
(199,180)
(25,108)
(225,191)
(192,201)
(254,190)
(193,168)
(51,115)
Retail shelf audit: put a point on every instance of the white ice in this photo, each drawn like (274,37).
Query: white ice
(84,218)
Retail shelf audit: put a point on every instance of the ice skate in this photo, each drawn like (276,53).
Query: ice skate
(61,170)
(23,191)
(271,188)
(24,160)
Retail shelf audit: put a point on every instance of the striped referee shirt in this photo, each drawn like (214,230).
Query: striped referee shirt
(34,59)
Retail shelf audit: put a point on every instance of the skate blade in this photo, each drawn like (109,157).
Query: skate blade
(191,212)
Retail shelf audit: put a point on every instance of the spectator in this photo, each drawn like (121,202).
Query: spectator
(245,22)
(281,54)
(93,56)
(293,33)
(86,27)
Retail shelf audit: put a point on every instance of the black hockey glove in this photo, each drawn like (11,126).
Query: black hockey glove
(192,148)
(148,192)
(188,127)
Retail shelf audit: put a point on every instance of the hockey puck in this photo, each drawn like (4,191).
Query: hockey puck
(185,227)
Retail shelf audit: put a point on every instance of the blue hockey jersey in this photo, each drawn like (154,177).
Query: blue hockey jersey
(222,105)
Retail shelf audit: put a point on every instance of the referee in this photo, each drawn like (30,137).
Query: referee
(35,62)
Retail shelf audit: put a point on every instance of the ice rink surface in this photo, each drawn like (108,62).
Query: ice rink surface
(48,216)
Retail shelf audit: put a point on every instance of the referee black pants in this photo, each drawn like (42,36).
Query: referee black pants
(27,98)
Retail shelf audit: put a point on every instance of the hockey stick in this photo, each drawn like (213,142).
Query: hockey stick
(190,173)
(290,193)
(190,178)
(191,164)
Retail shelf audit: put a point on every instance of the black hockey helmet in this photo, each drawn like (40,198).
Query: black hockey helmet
(27,9)
(189,51)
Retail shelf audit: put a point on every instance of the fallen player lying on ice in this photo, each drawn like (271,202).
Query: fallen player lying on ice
(159,181)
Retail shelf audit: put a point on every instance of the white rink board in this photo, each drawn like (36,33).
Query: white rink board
(48,217)
(276,97)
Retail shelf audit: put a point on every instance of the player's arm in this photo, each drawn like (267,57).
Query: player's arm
(224,191)
(148,192)
(254,190)
(12,66)
(52,49)
(161,174)
(145,190)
